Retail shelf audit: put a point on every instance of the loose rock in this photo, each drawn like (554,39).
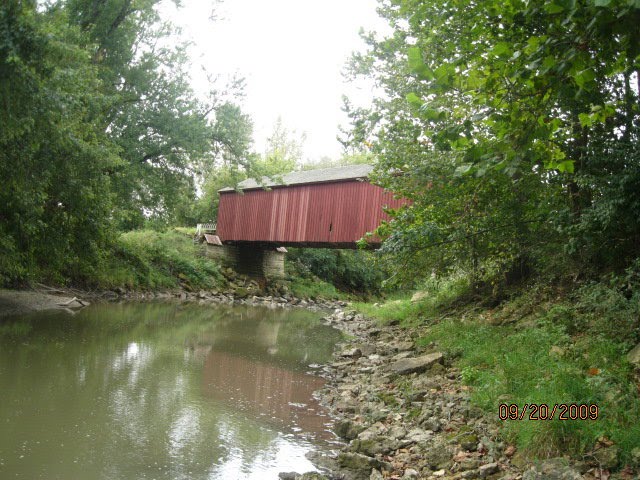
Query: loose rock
(416,364)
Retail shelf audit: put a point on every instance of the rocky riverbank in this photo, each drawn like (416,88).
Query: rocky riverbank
(239,289)
(404,413)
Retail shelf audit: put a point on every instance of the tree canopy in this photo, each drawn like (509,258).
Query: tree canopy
(99,130)
(512,125)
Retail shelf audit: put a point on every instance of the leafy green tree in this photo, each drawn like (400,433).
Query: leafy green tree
(507,123)
(55,200)
(284,152)
(99,130)
(163,131)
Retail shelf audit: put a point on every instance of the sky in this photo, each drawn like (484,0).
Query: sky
(291,53)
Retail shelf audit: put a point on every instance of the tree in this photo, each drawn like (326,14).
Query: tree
(99,131)
(55,198)
(162,129)
(502,120)
(283,153)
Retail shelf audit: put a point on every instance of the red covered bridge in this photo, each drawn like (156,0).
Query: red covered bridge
(328,208)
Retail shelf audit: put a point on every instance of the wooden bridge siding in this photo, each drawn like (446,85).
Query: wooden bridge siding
(303,213)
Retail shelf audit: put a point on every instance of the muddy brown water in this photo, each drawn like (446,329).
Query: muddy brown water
(161,391)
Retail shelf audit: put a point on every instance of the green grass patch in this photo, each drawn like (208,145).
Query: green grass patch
(540,362)
(302,287)
(545,345)
(433,299)
(147,259)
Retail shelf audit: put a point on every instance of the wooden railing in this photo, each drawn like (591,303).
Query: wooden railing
(203,228)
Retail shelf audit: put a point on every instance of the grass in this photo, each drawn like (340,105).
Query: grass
(540,347)
(146,259)
(434,299)
(302,287)
(541,364)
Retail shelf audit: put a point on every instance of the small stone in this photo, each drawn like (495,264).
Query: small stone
(287,475)
(510,451)
(471,474)
(403,346)
(431,423)
(376,475)
(347,429)
(312,476)
(439,456)
(469,463)
(417,364)
(352,353)
(368,447)
(358,463)
(410,473)
(417,435)
(439,473)
(607,457)
(552,469)
(488,469)
(469,442)
(634,355)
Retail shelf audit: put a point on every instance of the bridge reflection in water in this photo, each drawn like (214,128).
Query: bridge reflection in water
(268,391)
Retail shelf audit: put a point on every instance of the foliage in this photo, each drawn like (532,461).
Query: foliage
(283,154)
(518,132)
(148,259)
(99,132)
(432,300)
(542,346)
(305,287)
(541,365)
(350,271)
(55,198)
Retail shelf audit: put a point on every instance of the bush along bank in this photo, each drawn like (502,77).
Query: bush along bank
(420,395)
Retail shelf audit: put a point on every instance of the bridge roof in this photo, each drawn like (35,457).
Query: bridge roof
(322,175)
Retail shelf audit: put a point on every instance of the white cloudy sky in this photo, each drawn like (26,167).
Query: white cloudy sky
(291,53)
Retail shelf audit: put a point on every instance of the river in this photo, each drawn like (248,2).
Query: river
(161,391)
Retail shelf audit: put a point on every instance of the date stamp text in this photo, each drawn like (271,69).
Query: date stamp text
(543,411)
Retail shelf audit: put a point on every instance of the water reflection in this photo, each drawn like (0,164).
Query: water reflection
(160,391)
(281,396)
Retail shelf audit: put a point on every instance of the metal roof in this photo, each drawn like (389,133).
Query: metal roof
(323,175)
(212,239)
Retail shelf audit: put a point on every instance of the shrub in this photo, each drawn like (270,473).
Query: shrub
(150,259)
(349,270)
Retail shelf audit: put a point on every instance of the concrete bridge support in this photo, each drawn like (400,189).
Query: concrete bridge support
(252,260)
